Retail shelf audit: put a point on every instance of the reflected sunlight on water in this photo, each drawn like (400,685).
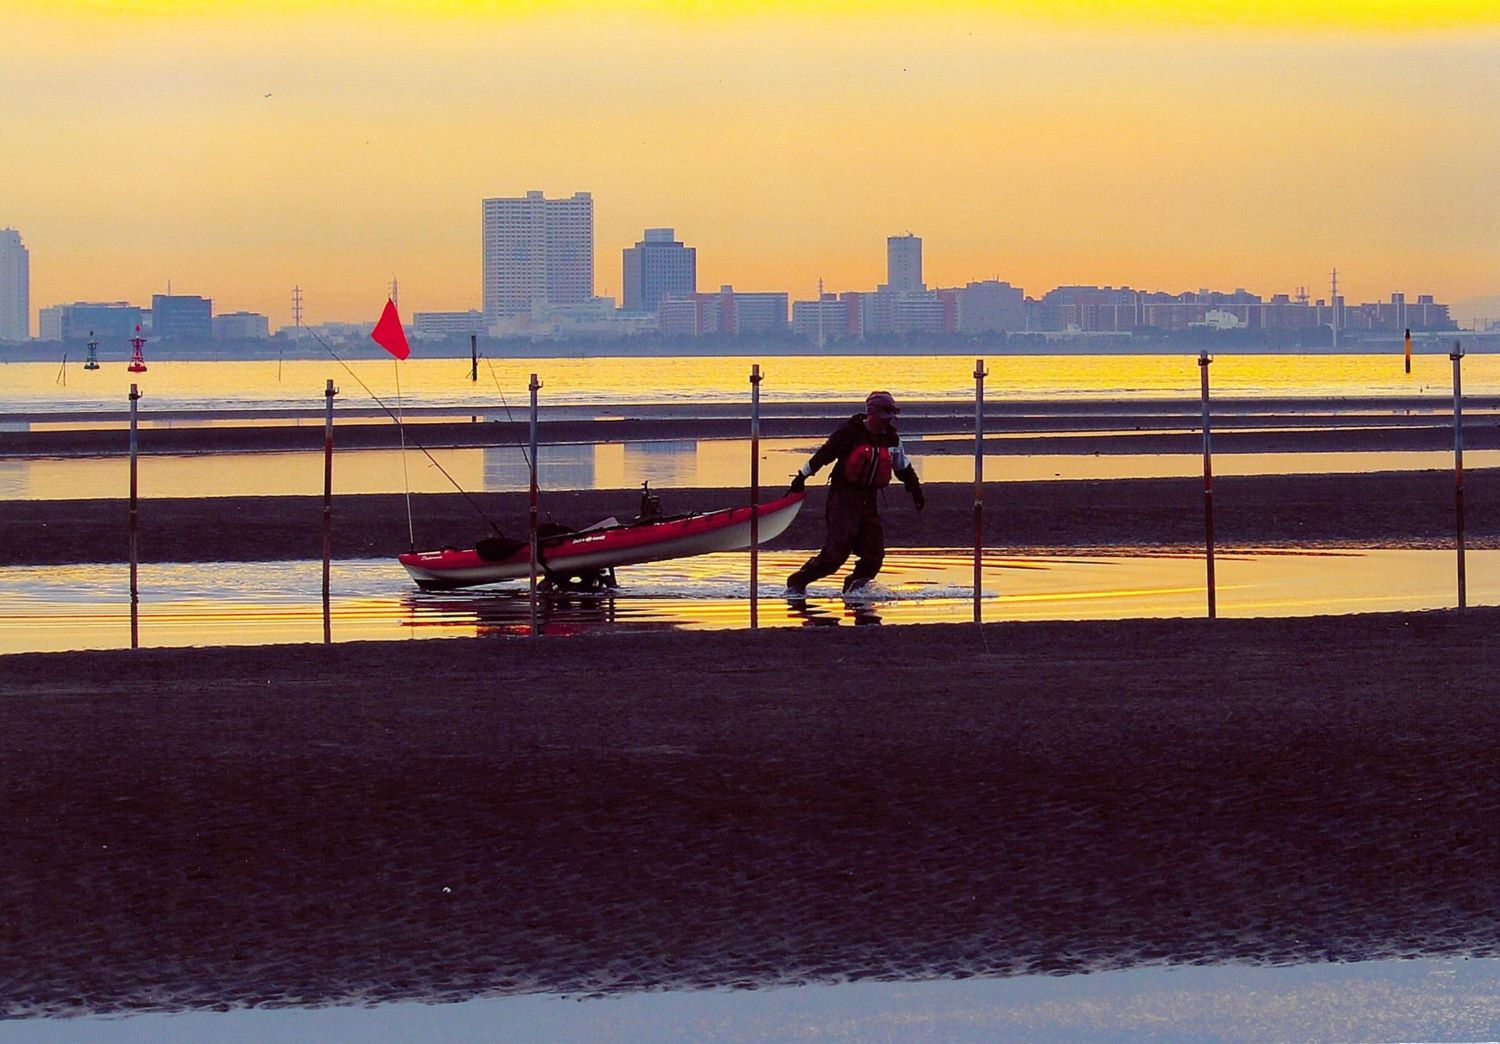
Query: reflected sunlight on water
(212,384)
(54,608)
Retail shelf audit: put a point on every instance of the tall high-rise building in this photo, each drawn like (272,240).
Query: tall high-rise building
(537,251)
(15,287)
(903,264)
(182,317)
(656,267)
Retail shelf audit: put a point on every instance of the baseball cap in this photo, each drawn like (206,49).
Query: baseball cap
(881,401)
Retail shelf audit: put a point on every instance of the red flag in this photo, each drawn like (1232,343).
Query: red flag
(388,333)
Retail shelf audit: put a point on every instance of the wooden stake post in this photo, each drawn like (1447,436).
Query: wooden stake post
(754,496)
(979,375)
(329,391)
(536,625)
(1208,487)
(135,593)
(1457,356)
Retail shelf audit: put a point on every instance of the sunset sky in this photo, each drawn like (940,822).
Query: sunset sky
(240,148)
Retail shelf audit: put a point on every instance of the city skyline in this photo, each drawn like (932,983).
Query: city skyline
(1167,146)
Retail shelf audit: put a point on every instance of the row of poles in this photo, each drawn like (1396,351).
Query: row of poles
(756,378)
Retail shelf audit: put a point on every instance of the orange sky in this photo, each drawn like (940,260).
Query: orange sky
(240,149)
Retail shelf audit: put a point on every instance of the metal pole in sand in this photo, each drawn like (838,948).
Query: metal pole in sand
(1208,486)
(536,624)
(1408,351)
(1458,466)
(329,391)
(979,375)
(474,357)
(135,593)
(754,496)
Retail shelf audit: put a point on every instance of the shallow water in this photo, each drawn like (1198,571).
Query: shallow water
(55,608)
(667,464)
(270,383)
(1378,1000)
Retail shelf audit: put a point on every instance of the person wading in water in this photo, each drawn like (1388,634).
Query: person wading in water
(866,452)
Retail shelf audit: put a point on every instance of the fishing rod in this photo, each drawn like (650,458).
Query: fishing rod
(401,426)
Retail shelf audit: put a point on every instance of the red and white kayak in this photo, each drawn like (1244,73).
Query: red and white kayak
(604,547)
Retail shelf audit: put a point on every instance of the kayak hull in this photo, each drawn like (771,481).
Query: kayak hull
(607,547)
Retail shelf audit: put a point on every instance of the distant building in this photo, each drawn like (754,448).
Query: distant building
(903,264)
(726,312)
(435,326)
(78,321)
(15,287)
(991,307)
(537,250)
(182,317)
(656,267)
(241,326)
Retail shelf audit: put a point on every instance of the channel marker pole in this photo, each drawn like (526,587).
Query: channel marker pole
(329,391)
(135,592)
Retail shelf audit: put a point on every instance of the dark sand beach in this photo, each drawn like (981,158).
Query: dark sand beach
(301,825)
(440,820)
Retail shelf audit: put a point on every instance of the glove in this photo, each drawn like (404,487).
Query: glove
(917,496)
(799,482)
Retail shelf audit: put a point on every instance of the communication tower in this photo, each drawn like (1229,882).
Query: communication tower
(297,308)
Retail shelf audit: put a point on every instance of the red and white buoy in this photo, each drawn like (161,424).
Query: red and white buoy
(137,357)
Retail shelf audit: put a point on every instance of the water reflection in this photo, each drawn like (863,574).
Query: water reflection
(54,608)
(674,463)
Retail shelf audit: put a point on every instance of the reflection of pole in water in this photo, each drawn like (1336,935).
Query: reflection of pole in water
(1457,356)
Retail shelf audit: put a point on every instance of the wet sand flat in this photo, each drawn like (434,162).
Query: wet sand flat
(1383,509)
(299,825)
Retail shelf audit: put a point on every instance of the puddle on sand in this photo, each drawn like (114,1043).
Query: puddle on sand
(55,608)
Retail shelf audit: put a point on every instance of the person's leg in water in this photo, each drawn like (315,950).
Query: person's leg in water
(841,515)
(869,546)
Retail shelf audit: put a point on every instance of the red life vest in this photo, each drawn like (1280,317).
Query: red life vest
(868,467)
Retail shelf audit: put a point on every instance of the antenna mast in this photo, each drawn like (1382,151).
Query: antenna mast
(1334,305)
(297,308)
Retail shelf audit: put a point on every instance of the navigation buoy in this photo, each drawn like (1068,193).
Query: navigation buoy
(92,362)
(137,358)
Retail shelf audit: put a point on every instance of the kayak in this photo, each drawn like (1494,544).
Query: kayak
(601,548)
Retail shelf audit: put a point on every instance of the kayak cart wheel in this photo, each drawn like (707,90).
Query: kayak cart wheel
(591,581)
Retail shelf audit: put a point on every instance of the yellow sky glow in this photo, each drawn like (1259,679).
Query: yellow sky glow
(240,149)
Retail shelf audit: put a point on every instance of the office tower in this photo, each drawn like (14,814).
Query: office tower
(656,267)
(182,317)
(904,264)
(537,251)
(15,287)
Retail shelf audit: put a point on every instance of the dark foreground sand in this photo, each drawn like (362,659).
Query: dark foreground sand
(443,819)
(1389,509)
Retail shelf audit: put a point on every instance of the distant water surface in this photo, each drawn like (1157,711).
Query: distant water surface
(445,383)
